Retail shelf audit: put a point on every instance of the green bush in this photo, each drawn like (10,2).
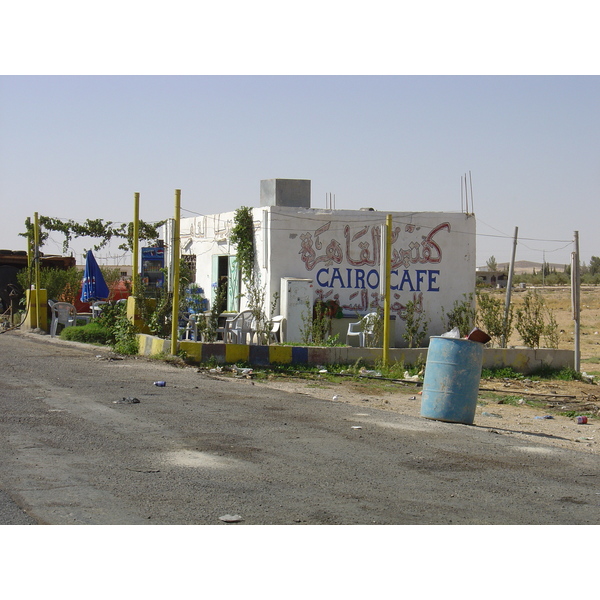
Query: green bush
(490,317)
(122,331)
(92,333)
(416,325)
(462,315)
(61,285)
(500,373)
(562,374)
(112,328)
(535,320)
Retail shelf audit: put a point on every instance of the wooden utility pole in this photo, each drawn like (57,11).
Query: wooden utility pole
(576,300)
(511,272)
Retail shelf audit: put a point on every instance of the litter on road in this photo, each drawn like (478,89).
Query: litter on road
(231,518)
(488,414)
(126,401)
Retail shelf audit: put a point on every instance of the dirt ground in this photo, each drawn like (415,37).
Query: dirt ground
(508,407)
(539,399)
(558,300)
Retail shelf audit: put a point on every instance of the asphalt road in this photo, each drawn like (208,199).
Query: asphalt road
(202,448)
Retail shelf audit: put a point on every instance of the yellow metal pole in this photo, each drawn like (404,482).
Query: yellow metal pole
(136,242)
(388,277)
(175,262)
(29,252)
(36,258)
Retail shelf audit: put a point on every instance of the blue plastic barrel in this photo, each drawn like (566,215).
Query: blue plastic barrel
(451,384)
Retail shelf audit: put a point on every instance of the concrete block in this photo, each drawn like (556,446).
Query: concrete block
(285,192)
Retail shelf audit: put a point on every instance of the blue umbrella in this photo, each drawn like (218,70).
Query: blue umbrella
(93,286)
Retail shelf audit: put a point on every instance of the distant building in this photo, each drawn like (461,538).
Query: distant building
(124,270)
(495,279)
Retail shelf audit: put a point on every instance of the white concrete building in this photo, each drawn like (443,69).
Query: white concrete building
(338,255)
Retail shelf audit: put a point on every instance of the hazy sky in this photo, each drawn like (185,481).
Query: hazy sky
(80,146)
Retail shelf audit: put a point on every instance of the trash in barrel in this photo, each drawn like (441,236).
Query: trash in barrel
(451,383)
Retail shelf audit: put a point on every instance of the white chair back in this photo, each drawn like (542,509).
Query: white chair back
(63,313)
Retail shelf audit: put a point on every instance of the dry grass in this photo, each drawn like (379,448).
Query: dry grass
(558,299)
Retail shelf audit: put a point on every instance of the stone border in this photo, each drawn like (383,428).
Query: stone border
(522,360)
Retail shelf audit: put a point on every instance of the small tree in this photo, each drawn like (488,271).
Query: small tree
(316,323)
(256,303)
(491,264)
(535,320)
(416,325)
(462,315)
(490,317)
(62,285)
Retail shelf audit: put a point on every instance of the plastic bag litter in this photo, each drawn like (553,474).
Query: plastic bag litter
(409,377)
(242,371)
(364,371)
(454,333)
(231,518)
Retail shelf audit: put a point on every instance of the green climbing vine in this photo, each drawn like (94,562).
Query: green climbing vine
(242,235)
(95,228)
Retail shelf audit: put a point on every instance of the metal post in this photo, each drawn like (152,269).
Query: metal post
(36,258)
(30,243)
(511,271)
(136,243)
(388,277)
(175,261)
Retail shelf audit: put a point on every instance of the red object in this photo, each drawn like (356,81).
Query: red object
(477,335)
(581,420)
(118,290)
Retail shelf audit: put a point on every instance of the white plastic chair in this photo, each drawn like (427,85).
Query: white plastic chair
(63,313)
(97,308)
(191,326)
(276,333)
(239,329)
(363,329)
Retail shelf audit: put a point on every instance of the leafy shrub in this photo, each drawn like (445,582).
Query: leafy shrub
(122,331)
(500,373)
(92,333)
(563,374)
(490,317)
(61,285)
(462,315)
(535,320)
(416,325)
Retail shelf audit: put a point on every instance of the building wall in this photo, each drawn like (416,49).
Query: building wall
(433,257)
